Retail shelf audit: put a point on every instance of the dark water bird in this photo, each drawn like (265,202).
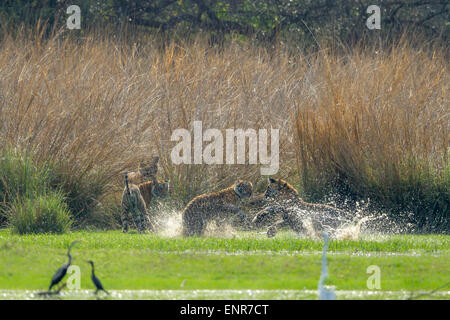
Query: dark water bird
(96,281)
(52,293)
(325,293)
(61,272)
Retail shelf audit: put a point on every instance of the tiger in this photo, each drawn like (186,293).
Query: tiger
(214,206)
(154,188)
(136,200)
(147,171)
(294,211)
(133,203)
(253,206)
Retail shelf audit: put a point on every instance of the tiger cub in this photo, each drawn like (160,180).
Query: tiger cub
(134,208)
(154,188)
(293,210)
(212,206)
(137,198)
(147,171)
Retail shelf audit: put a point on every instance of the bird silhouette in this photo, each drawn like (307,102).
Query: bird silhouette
(95,280)
(61,272)
(325,293)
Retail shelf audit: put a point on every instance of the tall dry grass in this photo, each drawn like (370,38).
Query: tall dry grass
(376,125)
(97,105)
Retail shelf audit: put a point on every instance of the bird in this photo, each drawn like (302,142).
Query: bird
(95,280)
(325,293)
(61,272)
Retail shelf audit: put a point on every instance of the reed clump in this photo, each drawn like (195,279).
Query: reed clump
(377,126)
(358,122)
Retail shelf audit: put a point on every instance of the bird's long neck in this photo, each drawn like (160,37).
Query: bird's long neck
(68,253)
(93,269)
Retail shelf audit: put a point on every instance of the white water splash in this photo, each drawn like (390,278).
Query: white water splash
(350,231)
(351,225)
(169,225)
(347,225)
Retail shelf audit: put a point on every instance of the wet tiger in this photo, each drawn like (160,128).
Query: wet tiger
(213,206)
(294,211)
(147,171)
(136,200)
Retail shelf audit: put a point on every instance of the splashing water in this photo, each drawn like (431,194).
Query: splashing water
(348,226)
(308,225)
(350,231)
(169,224)
(224,230)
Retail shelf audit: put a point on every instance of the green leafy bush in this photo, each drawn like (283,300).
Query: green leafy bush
(22,177)
(46,213)
(19,177)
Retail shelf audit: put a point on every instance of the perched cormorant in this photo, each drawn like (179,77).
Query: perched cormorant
(96,281)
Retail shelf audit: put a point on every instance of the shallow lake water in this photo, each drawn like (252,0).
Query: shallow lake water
(219,295)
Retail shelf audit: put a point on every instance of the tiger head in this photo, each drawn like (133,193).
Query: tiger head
(265,216)
(161,189)
(149,169)
(279,188)
(243,189)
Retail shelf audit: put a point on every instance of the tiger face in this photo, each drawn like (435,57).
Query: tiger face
(265,216)
(149,169)
(279,188)
(153,189)
(243,189)
(161,189)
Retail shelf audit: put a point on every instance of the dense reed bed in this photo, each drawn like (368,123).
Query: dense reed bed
(366,122)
